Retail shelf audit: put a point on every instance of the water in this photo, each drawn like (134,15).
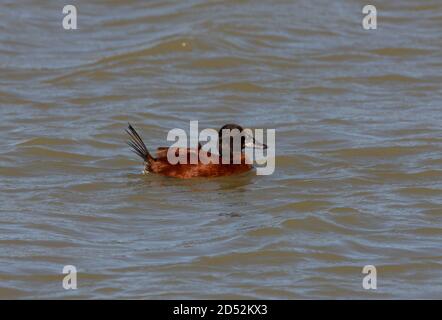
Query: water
(358,177)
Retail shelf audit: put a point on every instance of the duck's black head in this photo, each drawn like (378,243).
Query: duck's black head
(231,132)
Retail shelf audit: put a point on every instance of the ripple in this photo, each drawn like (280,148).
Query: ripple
(47,141)
(401,52)
(421,176)
(303,206)
(41,153)
(323,90)
(262,257)
(219,62)
(381,79)
(380,152)
(165,47)
(313,224)
(265,232)
(247,87)
(358,162)
(11,293)
(38,243)
(418,192)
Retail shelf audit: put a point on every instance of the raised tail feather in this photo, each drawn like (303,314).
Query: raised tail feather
(137,145)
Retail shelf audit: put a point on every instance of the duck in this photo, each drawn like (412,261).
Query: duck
(202,169)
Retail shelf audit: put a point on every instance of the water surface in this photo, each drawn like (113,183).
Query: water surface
(358,176)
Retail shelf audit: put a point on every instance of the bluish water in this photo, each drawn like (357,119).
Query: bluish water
(358,149)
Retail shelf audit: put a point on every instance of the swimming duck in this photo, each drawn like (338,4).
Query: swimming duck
(160,164)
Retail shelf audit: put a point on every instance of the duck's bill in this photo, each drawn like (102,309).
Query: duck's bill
(259,145)
(252,143)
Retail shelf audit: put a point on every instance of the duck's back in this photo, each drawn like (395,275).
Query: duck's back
(202,169)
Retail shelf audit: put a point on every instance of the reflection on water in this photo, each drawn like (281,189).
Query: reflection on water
(358,159)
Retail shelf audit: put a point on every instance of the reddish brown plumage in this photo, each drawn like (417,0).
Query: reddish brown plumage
(160,164)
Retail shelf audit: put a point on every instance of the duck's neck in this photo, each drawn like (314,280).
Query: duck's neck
(220,151)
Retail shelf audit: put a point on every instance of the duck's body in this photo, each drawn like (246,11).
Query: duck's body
(161,165)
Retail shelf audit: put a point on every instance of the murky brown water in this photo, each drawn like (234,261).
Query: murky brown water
(358,175)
